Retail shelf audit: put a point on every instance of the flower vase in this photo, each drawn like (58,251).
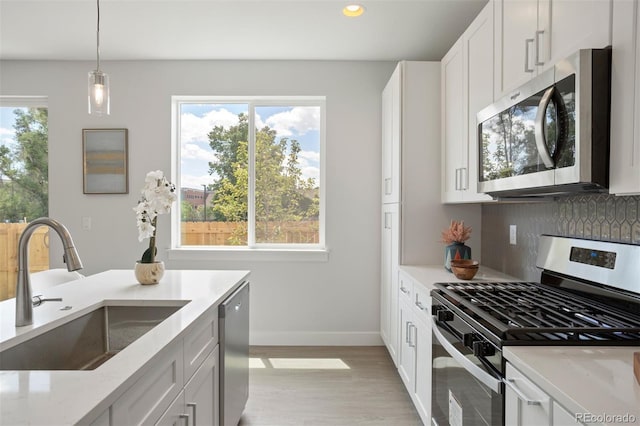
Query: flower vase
(455,251)
(149,273)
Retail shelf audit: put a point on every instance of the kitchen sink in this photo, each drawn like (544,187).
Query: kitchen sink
(86,342)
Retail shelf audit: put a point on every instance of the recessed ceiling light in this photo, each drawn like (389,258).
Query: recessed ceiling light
(353,10)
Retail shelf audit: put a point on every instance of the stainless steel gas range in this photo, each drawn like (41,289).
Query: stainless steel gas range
(588,294)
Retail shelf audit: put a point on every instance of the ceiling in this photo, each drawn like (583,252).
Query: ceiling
(389,30)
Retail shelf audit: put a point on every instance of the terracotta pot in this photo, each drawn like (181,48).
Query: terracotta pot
(149,273)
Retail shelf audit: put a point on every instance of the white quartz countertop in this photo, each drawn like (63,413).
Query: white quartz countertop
(595,381)
(428,275)
(68,397)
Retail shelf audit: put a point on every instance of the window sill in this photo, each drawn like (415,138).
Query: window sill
(244,254)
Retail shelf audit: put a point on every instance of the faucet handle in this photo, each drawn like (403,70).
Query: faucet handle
(38,300)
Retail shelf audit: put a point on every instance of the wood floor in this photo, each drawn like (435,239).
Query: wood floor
(326,386)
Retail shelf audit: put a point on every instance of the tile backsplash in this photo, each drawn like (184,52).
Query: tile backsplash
(597,217)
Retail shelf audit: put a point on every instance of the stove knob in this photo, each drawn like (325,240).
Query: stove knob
(444,316)
(468,339)
(483,349)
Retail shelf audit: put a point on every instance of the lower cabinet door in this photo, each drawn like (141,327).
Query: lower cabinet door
(525,403)
(407,359)
(146,400)
(175,414)
(201,394)
(423,371)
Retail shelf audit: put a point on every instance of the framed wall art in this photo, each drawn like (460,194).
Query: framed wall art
(105,161)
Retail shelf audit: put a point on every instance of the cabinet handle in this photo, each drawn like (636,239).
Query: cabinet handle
(511,384)
(193,405)
(406,332)
(412,344)
(457,180)
(420,305)
(527,42)
(463,179)
(387,221)
(404,290)
(185,417)
(387,186)
(538,34)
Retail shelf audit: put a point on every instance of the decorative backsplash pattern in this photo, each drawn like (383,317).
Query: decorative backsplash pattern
(596,217)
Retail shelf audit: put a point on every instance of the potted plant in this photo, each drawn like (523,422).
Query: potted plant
(158,195)
(455,236)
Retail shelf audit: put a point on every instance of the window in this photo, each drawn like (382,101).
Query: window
(24,180)
(249,173)
(24,183)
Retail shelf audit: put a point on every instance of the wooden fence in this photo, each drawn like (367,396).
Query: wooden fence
(38,255)
(222,233)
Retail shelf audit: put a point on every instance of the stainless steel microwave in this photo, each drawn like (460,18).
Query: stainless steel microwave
(551,136)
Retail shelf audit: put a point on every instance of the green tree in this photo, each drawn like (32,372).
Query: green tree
(282,195)
(26,193)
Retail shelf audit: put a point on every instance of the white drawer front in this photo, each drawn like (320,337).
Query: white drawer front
(200,341)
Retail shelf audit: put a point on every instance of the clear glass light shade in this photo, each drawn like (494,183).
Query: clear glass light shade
(99,99)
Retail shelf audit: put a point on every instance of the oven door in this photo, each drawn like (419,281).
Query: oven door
(467,389)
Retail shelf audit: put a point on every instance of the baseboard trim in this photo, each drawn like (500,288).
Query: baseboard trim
(315,338)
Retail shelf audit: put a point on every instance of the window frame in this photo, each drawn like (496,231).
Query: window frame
(253,250)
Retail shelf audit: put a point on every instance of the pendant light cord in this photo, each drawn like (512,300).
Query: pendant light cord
(98,37)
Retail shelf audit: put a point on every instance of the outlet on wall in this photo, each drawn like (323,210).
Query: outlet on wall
(512,234)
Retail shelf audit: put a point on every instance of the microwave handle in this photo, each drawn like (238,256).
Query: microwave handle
(541,140)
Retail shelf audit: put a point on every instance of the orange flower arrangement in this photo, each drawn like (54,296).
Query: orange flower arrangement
(456,233)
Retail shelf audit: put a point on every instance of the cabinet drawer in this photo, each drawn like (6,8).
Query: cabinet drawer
(160,383)
(405,287)
(200,339)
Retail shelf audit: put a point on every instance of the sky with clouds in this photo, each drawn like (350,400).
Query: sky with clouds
(197,120)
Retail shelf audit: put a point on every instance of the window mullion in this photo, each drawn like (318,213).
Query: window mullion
(251,207)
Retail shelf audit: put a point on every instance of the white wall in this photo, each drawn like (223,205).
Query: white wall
(334,302)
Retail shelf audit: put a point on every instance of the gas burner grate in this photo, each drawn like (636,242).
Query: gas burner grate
(530,312)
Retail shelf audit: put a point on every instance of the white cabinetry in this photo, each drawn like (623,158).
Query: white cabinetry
(181,386)
(412,215)
(467,87)
(625,99)
(389,272)
(414,365)
(407,355)
(149,397)
(528,405)
(391,137)
(532,35)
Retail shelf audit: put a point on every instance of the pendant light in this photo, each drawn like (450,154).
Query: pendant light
(99,100)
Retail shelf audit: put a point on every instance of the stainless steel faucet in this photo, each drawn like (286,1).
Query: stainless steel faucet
(24,301)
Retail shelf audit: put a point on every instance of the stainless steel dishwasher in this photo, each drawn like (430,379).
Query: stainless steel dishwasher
(234,355)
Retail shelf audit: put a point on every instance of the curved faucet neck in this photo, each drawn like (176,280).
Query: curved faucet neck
(24,307)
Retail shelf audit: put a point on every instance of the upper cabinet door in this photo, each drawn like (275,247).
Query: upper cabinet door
(577,25)
(624,169)
(453,123)
(532,35)
(478,41)
(467,87)
(391,137)
(516,23)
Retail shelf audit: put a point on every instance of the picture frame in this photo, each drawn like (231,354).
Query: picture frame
(105,161)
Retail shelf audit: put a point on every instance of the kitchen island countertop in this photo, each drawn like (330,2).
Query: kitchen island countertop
(70,397)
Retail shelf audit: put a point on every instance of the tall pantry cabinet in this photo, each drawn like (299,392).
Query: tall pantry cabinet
(412,214)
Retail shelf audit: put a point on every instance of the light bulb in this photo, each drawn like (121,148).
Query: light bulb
(98,96)
(98,93)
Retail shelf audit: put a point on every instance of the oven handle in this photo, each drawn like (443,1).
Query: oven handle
(477,372)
